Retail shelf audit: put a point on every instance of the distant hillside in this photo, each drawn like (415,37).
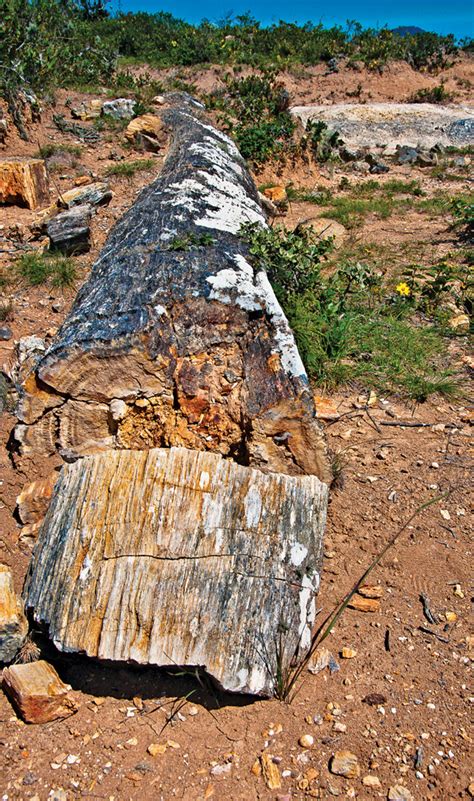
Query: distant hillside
(407,30)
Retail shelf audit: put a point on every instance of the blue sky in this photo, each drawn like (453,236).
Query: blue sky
(455,16)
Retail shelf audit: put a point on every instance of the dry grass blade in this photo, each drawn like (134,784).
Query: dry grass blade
(286,684)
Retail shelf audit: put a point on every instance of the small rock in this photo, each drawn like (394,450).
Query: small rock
(56,306)
(339,727)
(345,763)
(457,591)
(277,194)
(120,109)
(321,659)
(364,604)
(451,617)
(156,749)
(399,793)
(3,129)
(306,741)
(470,789)
(445,514)
(374,699)
(271,774)
(371,781)
(406,155)
(370,590)
(326,408)
(348,653)
(460,323)
(5,334)
(37,692)
(219,770)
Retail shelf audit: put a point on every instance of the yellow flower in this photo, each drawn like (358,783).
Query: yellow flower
(403,289)
(174,43)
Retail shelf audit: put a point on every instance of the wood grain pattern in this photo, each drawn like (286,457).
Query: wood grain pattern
(179,557)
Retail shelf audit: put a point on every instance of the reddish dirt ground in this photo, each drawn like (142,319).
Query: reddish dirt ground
(421,670)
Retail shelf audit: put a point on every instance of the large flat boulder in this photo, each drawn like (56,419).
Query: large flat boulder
(181,557)
(390,124)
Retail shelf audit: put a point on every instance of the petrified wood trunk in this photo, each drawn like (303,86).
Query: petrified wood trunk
(177,339)
(179,557)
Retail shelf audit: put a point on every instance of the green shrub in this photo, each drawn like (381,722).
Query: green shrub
(347,326)
(254,110)
(436,94)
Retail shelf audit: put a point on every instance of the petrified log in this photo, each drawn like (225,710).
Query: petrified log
(69,232)
(23,182)
(13,623)
(179,557)
(178,326)
(37,692)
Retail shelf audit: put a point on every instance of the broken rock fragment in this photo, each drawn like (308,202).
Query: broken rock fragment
(129,532)
(345,763)
(13,623)
(69,232)
(37,692)
(23,182)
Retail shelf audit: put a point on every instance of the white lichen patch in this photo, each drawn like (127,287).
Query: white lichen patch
(307,610)
(240,287)
(298,553)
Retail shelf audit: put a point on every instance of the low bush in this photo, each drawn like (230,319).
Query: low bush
(348,326)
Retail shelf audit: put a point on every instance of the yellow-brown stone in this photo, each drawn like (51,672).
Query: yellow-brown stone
(23,182)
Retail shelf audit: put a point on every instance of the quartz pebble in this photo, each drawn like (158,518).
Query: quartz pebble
(306,740)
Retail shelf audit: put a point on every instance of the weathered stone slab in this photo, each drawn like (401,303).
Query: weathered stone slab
(37,692)
(23,182)
(180,557)
(389,124)
(13,623)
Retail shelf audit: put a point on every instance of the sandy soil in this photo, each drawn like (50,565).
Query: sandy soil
(418,734)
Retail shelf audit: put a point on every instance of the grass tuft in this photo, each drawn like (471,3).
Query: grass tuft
(127,169)
(38,268)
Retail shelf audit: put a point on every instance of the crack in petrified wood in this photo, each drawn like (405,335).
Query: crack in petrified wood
(192,346)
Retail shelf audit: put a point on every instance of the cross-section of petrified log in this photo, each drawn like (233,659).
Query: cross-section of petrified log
(179,327)
(23,182)
(179,557)
(38,693)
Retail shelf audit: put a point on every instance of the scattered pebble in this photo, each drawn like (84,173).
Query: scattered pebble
(348,653)
(371,781)
(155,749)
(399,793)
(306,740)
